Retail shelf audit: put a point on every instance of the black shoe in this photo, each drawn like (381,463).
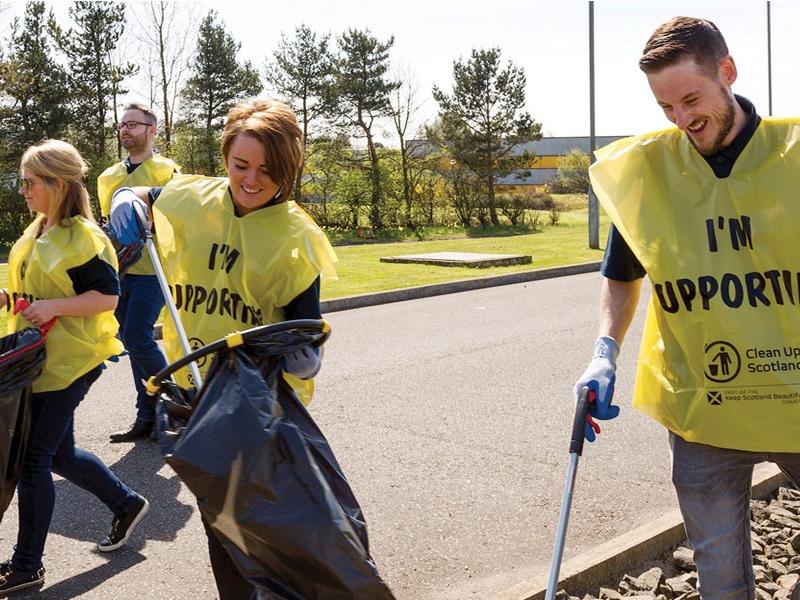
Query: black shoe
(140,430)
(122,527)
(12,580)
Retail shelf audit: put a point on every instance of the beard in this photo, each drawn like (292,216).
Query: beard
(725,119)
(136,144)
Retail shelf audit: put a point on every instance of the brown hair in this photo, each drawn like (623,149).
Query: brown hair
(681,38)
(56,159)
(273,124)
(145,110)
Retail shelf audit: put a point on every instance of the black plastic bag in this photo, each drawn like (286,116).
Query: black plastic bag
(22,357)
(127,255)
(264,475)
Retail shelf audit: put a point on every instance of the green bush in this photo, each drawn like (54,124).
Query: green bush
(516,207)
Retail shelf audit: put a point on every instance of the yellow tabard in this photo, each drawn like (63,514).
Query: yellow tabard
(156,170)
(230,273)
(37,270)
(719,361)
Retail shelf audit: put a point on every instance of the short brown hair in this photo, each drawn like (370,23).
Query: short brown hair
(681,38)
(145,110)
(273,124)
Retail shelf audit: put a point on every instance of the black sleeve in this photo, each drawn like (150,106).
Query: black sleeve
(305,305)
(96,274)
(154,193)
(619,261)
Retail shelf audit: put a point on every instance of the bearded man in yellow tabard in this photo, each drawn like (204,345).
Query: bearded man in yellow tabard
(707,211)
(141,300)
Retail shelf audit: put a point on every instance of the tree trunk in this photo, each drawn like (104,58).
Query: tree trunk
(490,168)
(375,174)
(298,184)
(164,91)
(406,183)
(116,123)
(211,170)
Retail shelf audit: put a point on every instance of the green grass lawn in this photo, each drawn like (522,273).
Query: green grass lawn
(361,272)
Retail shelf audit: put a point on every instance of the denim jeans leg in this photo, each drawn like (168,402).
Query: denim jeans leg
(713,488)
(88,472)
(140,303)
(52,414)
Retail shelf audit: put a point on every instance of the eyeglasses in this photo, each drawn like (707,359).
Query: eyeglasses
(132,125)
(24,183)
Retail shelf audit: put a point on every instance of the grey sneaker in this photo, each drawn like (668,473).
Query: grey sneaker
(122,527)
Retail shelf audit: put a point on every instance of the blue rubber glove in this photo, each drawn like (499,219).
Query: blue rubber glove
(599,377)
(303,363)
(128,213)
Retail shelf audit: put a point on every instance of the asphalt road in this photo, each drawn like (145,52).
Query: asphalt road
(451,418)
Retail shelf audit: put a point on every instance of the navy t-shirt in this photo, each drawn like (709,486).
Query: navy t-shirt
(95,274)
(619,261)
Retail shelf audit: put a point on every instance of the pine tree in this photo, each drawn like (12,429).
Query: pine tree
(216,83)
(482,121)
(95,76)
(33,106)
(32,83)
(302,72)
(362,95)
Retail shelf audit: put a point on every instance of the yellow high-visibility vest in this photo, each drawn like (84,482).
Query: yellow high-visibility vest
(37,270)
(156,170)
(719,361)
(230,273)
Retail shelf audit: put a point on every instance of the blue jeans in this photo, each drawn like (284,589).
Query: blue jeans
(51,449)
(713,487)
(139,304)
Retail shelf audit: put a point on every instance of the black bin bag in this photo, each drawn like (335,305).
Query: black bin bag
(264,475)
(22,357)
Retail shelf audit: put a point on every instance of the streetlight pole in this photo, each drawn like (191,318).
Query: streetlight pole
(594,210)
(769,57)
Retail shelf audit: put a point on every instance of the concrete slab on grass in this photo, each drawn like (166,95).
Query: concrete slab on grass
(461,259)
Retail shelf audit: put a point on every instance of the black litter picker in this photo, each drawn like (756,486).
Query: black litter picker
(264,475)
(579,424)
(22,357)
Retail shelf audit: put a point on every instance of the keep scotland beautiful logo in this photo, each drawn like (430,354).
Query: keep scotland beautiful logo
(724,363)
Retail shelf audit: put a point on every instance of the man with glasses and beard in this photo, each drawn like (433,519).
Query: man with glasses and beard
(707,211)
(141,299)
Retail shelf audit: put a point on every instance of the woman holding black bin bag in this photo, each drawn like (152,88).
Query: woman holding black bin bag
(237,254)
(66,268)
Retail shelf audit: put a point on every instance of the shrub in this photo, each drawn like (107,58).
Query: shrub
(555,213)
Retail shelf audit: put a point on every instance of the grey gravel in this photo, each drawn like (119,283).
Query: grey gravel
(776,559)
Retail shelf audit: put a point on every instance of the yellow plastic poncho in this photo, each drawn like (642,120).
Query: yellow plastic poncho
(719,361)
(230,273)
(37,269)
(156,170)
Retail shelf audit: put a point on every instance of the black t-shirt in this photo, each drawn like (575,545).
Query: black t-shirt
(131,167)
(95,274)
(619,261)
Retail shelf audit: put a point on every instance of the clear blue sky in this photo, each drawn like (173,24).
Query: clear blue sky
(548,39)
